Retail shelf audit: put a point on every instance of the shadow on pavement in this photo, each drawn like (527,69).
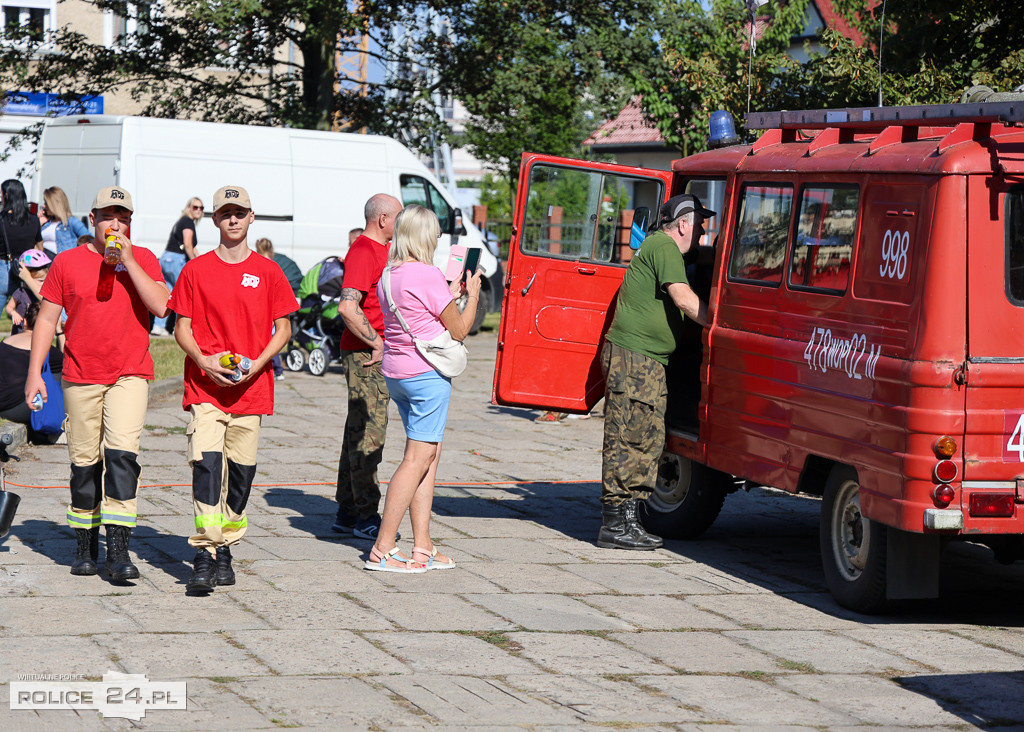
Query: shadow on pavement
(57,542)
(983,700)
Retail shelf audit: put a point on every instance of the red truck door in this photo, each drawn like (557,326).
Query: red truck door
(994,445)
(569,250)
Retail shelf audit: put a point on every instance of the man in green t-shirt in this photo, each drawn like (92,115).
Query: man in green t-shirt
(648,320)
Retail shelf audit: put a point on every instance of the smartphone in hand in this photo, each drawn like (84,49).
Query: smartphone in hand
(472,262)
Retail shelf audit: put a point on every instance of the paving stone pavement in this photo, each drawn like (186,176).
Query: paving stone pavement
(536,628)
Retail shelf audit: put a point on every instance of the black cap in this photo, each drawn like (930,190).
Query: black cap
(684,203)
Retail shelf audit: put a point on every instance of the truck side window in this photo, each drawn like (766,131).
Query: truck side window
(420,191)
(759,245)
(711,192)
(1015,245)
(825,230)
(573,213)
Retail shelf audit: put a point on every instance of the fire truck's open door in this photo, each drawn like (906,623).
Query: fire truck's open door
(569,249)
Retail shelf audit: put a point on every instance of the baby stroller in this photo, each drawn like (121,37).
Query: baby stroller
(316,326)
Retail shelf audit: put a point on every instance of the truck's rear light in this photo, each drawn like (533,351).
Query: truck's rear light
(83,121)
(991,504)
(945,471)
(943,495)
(945,446)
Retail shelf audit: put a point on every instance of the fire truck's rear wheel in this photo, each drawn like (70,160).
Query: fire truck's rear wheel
(853,547)
(686,500)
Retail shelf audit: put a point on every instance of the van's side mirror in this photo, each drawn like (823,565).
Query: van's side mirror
(455,225)
(638,232)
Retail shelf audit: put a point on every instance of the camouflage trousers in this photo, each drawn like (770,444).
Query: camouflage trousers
(362,445)
(634,424)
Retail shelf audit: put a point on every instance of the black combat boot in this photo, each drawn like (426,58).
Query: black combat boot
(88,551)
(119,564)
(225,574)
(204,572)
(621,530)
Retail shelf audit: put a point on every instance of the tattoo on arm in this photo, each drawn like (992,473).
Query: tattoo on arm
(368,332)
(351,293)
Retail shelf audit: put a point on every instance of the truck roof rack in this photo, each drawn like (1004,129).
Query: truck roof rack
(878,118)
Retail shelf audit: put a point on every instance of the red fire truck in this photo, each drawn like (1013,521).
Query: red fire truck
(865,280)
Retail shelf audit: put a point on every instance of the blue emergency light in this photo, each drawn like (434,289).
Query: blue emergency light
(723,130)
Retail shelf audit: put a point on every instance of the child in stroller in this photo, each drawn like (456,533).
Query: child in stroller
(316,326)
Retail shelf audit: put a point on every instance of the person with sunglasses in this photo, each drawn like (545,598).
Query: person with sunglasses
(181,247)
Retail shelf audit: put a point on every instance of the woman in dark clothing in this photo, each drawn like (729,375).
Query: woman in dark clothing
(19,232)
(181,247)
(14,352)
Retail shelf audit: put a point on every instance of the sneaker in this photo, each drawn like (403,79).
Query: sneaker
(225,573)
(369,528)
(204,573)
(159,331)
(579,416)
(279,377)
(344,522)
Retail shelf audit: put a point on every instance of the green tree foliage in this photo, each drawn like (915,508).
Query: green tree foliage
(535,74)
(931,52)
(701,65)
(530,71)
(227,61)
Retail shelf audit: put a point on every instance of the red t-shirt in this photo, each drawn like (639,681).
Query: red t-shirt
(108,324)
(233,308)
(364,263)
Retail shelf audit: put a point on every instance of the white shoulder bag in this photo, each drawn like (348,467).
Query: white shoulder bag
(443,352)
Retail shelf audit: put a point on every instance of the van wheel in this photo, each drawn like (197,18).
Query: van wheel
(853,548)
(295,359)
(318,360)
(482,308)
(686,500)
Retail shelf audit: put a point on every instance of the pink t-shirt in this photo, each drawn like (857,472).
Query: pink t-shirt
(421,293)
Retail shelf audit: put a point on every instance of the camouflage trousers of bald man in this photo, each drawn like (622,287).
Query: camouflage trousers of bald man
(634,438)
(362,446)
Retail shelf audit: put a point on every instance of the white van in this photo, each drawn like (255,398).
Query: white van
(19,163)
(308,188)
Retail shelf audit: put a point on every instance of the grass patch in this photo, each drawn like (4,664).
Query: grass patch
(168,358)
(491,323)
(799,666)
(499,639)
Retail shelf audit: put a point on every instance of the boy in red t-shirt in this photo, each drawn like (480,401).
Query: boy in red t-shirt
(106,368)
(230,301)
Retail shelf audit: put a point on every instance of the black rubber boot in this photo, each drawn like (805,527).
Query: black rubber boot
(204,572)
(225,574)
(620,529)
(119,564)
(88,552)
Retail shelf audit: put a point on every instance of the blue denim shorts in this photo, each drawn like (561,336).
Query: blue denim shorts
(423,403)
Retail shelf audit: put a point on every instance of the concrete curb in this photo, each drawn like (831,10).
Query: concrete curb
(17,431)
(166,387)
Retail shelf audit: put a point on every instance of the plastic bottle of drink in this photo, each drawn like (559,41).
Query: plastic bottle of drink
(112,254)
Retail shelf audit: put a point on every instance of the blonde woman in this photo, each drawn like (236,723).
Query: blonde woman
(421,393)
(61,229)
(181,247)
